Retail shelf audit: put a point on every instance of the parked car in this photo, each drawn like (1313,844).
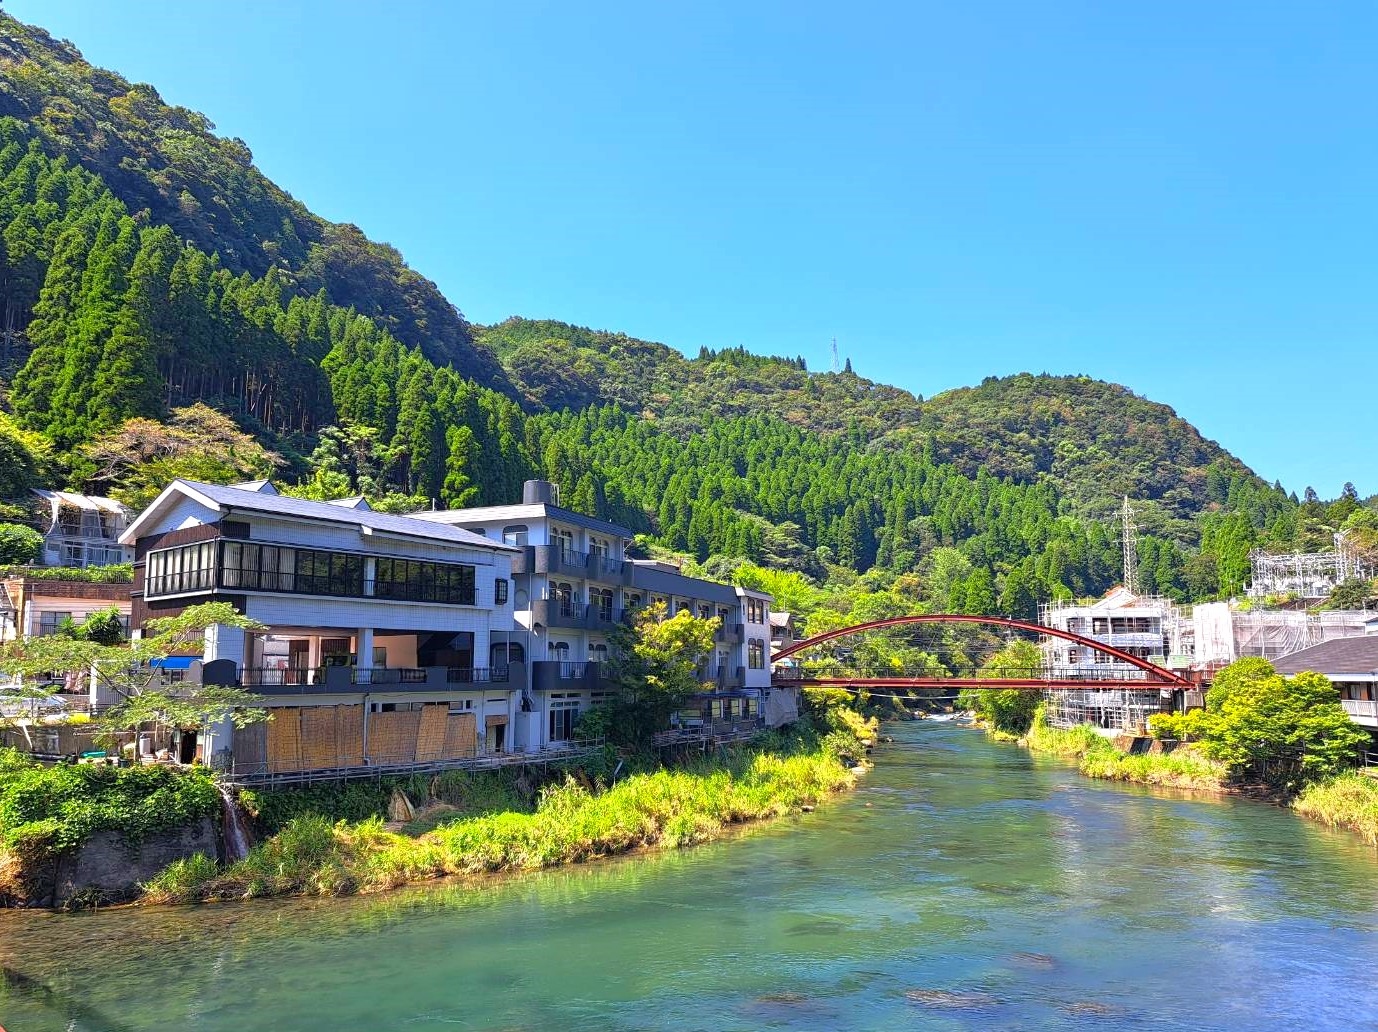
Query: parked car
(19,700)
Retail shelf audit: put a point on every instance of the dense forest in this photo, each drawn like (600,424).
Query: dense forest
(169,311)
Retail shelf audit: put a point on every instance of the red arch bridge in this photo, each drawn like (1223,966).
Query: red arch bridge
(947,650)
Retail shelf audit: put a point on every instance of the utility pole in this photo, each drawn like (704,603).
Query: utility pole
(1129,534)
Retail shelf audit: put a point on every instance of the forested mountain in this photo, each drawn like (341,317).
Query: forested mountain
(1090,438)
(169,311)
(1095,441)
(556,366)
(167,167)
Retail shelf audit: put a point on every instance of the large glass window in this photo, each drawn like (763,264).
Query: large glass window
(408,580)
(304,571)
(564,711)
(755,610)
(515,535)
(173,570)
(253,566)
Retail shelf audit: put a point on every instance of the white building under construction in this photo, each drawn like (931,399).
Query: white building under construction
(1148,628)
(1225,631)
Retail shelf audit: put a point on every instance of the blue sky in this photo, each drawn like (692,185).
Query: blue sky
(1179,197)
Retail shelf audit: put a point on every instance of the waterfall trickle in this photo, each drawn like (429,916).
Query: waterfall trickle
(234,826)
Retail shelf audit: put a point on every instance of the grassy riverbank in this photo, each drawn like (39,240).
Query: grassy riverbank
(1348,801)
(1097,757)
(571,823)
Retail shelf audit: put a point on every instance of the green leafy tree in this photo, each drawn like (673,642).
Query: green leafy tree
(19,544)
(1010,710)
(1285,730)
(127,670)
(136,461)
(23,457)
(654,666)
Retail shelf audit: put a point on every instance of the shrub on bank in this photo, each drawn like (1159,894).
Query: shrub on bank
(464,792)
(1072,743)
(46,810)
(1097,757)
(1183,769)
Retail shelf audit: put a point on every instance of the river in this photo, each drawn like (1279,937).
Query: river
(965,885)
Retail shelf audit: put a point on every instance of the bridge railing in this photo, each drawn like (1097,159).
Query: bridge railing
(1089,672)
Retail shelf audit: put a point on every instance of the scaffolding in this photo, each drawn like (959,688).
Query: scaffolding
(1305,575)
(1111,709)
(1273,633)
(1149,627)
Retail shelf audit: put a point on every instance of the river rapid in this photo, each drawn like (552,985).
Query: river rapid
(963,885)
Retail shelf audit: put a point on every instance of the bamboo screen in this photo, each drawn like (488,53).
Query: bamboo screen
(300,738)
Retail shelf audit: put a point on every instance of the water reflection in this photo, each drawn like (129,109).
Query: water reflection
(980,888)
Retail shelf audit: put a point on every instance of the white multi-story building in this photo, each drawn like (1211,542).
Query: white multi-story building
(1120,619)
(81,530)
(573,582)
(380,629)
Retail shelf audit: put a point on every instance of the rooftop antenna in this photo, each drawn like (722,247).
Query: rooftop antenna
(1129,533)
(836,367)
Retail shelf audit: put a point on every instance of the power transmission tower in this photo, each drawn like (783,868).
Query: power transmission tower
(1129,533)
(836,368)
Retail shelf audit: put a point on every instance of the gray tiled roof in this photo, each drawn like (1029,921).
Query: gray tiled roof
(1358,655)
(300,508)
(525,510)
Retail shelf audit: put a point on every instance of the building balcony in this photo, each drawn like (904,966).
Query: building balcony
(347,680)
(725,677)
(553,675)
(579,616)
(1361,711)
(730,634)
(554,560)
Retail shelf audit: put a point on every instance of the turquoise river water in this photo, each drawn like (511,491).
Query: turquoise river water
(965,885)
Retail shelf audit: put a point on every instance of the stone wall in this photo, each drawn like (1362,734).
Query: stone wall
(108,869)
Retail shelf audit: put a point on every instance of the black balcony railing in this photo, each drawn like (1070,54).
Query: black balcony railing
(477,675)
(342,679)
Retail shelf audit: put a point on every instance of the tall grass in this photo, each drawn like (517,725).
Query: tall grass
(1097,757)
(1183,769)
(571,823)
(1346,801)
(1072,743)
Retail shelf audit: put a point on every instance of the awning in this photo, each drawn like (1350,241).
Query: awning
(174,662)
